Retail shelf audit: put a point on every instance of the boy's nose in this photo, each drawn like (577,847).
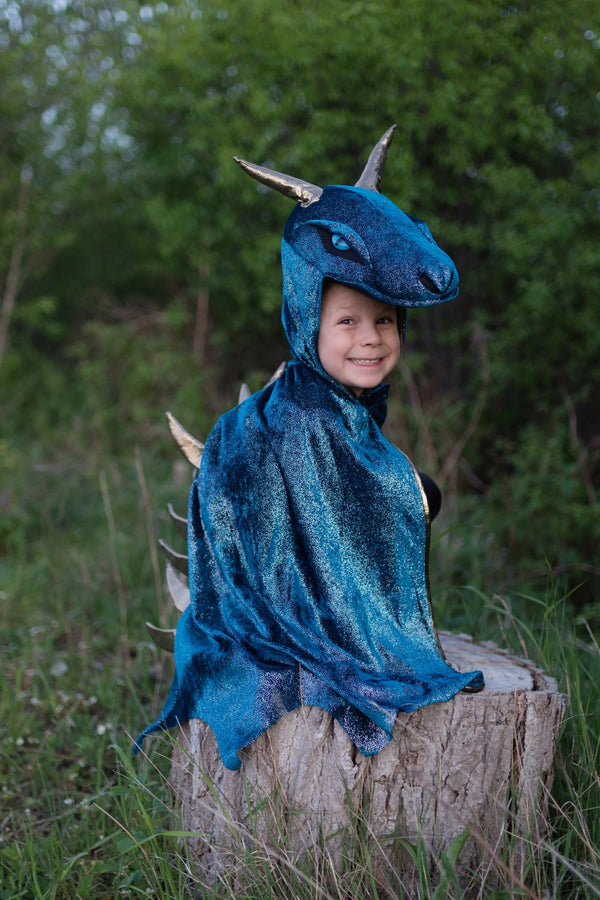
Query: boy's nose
(369,335)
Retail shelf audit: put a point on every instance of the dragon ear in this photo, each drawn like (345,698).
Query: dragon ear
(371,176)
(294,188)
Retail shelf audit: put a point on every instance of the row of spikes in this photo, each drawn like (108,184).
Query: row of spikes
(177,563)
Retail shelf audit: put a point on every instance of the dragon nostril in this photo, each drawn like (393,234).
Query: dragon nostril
(429,284)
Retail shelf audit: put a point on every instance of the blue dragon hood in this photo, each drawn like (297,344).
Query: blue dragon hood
(358,237)
(308,532)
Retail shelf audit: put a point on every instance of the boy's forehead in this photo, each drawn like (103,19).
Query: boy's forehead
(343,297)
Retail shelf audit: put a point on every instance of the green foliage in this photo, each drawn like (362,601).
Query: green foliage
(538,519)
(544,505)
(123,121)
(147,278)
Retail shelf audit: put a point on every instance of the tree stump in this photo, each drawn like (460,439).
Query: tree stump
(479,765)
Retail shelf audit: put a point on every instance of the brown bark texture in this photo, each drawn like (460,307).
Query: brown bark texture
(479,766)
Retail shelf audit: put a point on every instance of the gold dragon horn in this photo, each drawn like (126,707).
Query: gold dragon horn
(372,172)
(294,188)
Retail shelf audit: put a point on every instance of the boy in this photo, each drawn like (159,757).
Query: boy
(359,340)
(307,530)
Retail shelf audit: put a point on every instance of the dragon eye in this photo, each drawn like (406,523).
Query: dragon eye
(339,242)
(336,244)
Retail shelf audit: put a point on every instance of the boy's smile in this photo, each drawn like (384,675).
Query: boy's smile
(359,341)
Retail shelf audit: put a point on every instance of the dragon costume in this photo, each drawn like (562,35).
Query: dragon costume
(308,531)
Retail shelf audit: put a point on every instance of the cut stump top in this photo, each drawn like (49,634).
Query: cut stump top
(503,672)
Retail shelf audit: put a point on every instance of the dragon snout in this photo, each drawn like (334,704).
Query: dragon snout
(437,283)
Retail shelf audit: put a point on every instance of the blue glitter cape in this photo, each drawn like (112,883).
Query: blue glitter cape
(308,531)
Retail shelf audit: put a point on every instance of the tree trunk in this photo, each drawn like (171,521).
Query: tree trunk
(16,259)
(478,765)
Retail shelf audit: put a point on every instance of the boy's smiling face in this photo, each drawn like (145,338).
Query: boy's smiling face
(359,340)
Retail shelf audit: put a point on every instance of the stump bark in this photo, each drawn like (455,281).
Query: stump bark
(479,765)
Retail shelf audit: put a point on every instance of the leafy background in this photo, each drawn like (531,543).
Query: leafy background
(141,267)
(139,272)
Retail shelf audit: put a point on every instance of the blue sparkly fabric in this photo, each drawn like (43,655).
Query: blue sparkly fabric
(308,530)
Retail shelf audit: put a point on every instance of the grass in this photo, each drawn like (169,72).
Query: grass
(79,676)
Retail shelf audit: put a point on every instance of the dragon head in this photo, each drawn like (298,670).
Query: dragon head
(358,237)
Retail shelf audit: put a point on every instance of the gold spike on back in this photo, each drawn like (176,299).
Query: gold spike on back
(162,637)
(190,446)
(178,589)
(244,393)
(277,373)
(180,521)
(178,560)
